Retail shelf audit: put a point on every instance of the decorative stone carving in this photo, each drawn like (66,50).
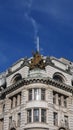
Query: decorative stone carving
(37,61)
(48,61)
(26,62)
(13,125)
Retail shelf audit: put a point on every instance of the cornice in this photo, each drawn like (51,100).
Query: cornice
(47,81)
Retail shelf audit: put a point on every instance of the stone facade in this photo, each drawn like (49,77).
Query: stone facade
(37,94)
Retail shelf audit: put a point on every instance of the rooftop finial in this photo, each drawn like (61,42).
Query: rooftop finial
(38,46)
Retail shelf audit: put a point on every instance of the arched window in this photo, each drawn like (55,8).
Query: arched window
(62,128)
(12,129)
(58,77)
(16,78)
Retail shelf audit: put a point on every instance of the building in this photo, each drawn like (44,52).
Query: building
(37,94)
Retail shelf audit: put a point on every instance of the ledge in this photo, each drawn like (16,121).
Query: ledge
(43,80)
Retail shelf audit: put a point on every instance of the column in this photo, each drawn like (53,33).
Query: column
(39,114)
(14,102)
(32,118)
(62,101)
(18,99)
(57,103)
(32,94)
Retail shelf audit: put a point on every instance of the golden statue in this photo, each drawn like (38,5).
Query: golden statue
(37,61)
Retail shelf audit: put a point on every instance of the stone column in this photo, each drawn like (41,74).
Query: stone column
(18,99)
(70,111)
(6,115)
(40,115)
(57,103)
(32,118)
(62,101)
(49,95)
(32,94)
(24,94)
(1,124)
(14,102)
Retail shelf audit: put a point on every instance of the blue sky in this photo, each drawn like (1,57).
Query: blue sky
(21,21)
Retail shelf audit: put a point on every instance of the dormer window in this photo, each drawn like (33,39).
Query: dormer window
(58,77)
(16,78)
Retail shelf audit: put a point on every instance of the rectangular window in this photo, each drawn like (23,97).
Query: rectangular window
(42,94)
(55,116)
(66,121)
(36,115)
(10,121)
(19,119)
(36,94)
(59,100)
(29,114)
(43,115)
(65,102)
(30,94)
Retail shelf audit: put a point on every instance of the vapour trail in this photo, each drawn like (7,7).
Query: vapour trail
(28,4)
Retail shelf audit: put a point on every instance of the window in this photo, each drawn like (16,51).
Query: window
(42,94)
(65,101)
(15,100)
(19,119)
(58,77)
(66,121)
(30,94)
(16,78)
(55,116)
(36,94)
(10,121)
(60,99)
(54,98)
(36,115)
(43,115)
(29,116)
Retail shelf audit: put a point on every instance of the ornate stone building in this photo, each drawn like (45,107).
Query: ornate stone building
(37,94)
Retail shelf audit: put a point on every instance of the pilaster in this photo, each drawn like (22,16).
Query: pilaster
(50,108)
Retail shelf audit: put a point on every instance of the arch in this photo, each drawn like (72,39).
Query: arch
(12,129)
(59,77)
(16,78)
(61,128)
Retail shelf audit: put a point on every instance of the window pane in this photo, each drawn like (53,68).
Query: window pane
(66,121)
(65,102)
(19,118)
(42,94)
(29,116)
(55,119)
(10,121)
(30,94)
(36,94)
(43,115)
(59,100)
(36,115)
